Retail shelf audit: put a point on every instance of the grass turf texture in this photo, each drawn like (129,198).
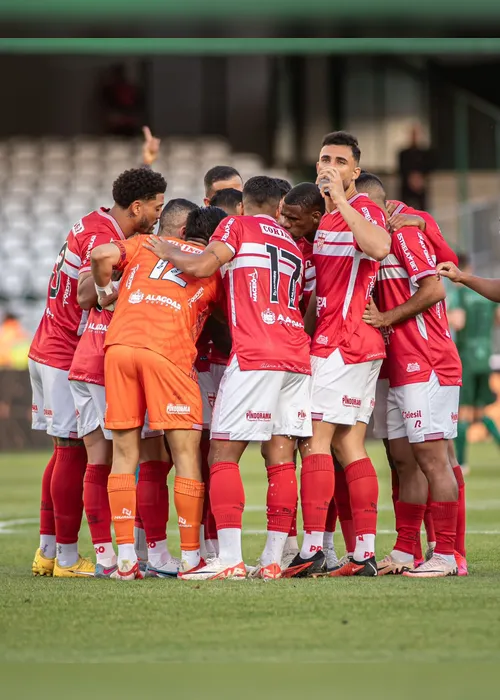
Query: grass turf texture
(327,620)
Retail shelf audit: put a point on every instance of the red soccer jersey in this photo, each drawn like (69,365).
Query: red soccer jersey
(442,250)
(263,284)
(310,271)
(88,360)
(63,321)
(345,277)
(421,344)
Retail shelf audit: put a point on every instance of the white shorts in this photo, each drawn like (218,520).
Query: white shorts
(380,410)
(208,394)
(90,404)
(343,394)
(254,405)
(217,372)
(423,412)
(52,407)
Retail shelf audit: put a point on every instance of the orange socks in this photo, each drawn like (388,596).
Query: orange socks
(188,499)
(121,492)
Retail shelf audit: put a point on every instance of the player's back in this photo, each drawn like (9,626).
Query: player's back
(62,323)
(159,307)
(263,285)
(442,250)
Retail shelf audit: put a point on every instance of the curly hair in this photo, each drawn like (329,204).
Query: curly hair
(138,183)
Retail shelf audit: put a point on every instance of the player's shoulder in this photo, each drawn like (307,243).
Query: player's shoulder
(94,223)
(362,202)
(186,246)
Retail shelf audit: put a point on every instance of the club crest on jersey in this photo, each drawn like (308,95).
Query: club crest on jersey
(136,297)
(268,317)
(320,239)
(413,367)
(301,415)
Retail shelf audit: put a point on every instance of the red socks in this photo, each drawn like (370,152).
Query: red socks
(362,483)
(343,503)
(409,518)
(317,483)
(67,492)
(96,502)
(208,520)
(152,499)
(460,538)
(227,496)
(428,522)
(47,523)
(444,516)
(281,497)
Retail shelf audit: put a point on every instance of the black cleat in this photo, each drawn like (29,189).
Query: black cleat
(357,568)
(303,568)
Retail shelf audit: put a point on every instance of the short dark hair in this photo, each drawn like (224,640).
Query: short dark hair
(228,197)
(262,190)
(306,195)
(367,179)
(343,138)
(202,222)
(284,186)
(219,173)
(138,183)
(463,259)
(177,206)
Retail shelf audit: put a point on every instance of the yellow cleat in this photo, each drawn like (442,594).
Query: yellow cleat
(83,567)
(42,566)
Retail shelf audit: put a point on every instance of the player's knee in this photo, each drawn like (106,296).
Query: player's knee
(68,442)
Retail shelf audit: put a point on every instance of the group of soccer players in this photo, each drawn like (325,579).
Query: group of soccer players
(278,315)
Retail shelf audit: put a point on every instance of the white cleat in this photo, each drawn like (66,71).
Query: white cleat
(214,570)
(332,560)
(288,556)
(436,567)
(167,570)
(127,571)
(390,565)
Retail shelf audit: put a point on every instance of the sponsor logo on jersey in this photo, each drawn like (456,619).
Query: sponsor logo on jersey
(302,415)
(131,276)
(368,216)
(407,253)
(320,304)
(48,412)
(371,284)
(178,408)
(423,245)
(136,297)
(268,317)
(89,248)
(287,321)
(49,313)
(195,297)
(412,367)
(258,415)
(320,239)
(227,229)
(372,403)
(78,227)
(254,276)
(97,327)
(273,231)
(34,408)
(439,312)
(454,417)
(67,292)
(351,401)
(411,414)
(322,340)
(163,301)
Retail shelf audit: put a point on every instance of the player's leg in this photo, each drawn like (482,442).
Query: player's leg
(208,535)
(125,409)
(460,550)
(153,503)
(468,395)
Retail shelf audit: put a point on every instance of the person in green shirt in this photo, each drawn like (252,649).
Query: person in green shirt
(473,318)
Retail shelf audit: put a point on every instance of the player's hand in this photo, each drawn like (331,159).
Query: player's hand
(400,220)
(150,147)
(330,185)
(449,270)
(391,207)
(372,316)
(107,300)
(162,249)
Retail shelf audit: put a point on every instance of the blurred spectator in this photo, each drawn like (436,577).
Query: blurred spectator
(415,164)
(14,343)
(122,102)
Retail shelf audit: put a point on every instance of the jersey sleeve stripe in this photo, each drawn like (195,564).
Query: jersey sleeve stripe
(70,270)
(72,258)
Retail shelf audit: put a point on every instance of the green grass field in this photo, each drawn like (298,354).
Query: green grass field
(337,620)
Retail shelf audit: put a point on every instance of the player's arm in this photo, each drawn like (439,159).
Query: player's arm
(86,293)
(310,315)
(488,288)
(214,256)
(102,260)
(373,239)
(430,291)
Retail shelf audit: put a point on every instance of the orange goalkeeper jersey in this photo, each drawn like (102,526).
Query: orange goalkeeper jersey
(159,307)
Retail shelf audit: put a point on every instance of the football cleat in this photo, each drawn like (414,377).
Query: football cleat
(288,556)
(332,560)
(271,572)
(357,568)
(430,550)
(390,565)
(83,568)
(102,571)
(435,567)
(215,570)
(168,570)
(127,571)
(42,566)
(303,568)
(461,564)
(143,565)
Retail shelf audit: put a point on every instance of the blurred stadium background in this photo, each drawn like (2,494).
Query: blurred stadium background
(73,111)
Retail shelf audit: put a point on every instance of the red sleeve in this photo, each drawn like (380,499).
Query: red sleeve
(414,253)
(228,232)
(373,214)
(87,242)
(433,233)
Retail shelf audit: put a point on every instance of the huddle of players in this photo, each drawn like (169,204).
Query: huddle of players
(317,270)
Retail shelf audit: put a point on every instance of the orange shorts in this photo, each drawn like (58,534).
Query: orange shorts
(138,379)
